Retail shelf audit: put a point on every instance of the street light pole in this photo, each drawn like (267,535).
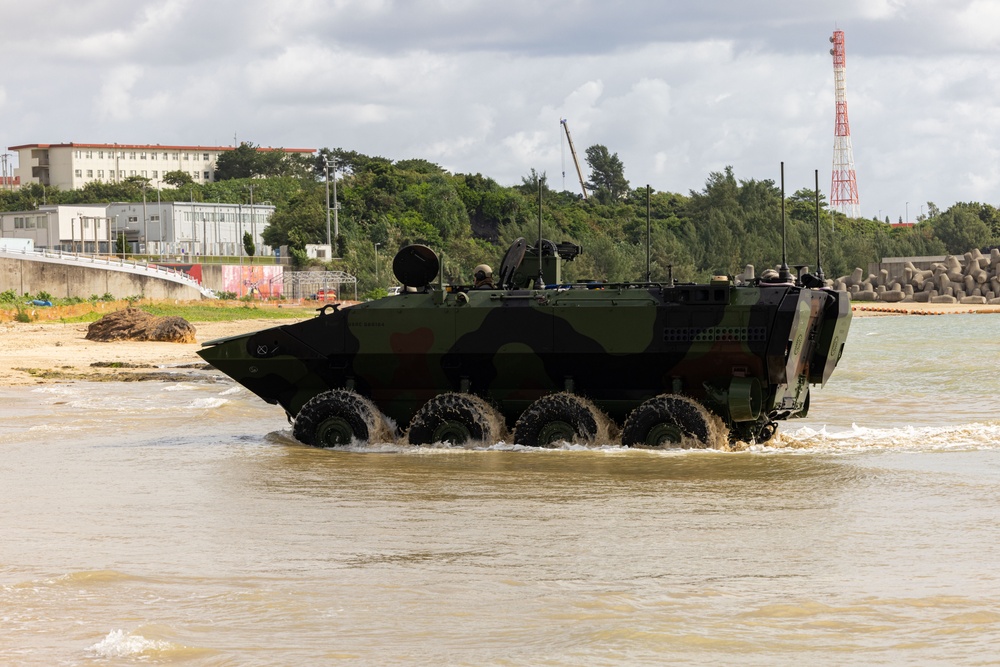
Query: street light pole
(326,167)
(145,238)
(336,206)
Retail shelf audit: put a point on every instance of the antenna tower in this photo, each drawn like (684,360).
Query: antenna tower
(844,189)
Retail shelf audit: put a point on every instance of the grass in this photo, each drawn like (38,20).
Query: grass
(191,311)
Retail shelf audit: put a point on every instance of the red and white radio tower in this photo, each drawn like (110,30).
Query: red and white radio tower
(844,190)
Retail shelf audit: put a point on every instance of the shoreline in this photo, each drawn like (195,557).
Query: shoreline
(39,353)
(42,352)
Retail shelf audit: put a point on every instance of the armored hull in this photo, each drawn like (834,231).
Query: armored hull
(662,364)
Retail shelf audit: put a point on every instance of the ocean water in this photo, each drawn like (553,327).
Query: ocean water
(155,523)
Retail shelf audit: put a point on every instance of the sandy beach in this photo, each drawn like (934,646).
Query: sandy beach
(40,352)
(33,353)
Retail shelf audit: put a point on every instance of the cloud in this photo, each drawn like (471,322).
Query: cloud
(677,91)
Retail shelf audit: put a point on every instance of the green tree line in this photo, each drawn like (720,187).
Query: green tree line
(471,219)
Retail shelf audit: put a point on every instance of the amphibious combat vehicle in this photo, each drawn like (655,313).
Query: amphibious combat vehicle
(537,361)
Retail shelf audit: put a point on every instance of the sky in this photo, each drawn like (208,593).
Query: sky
(677,89)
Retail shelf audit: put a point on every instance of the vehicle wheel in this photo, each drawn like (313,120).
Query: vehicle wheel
(561,417)
(455,418)
(336,418)
(669,420)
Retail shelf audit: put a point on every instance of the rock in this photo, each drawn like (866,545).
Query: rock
(135,324)
(892,296)
(944,298)
(973,300)
(864,296)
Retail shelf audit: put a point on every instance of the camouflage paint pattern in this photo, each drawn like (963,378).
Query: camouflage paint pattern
(748,353)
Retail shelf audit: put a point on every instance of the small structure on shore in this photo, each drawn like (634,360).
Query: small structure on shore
(135,324)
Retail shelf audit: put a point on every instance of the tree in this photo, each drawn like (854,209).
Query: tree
(177,178)
(241,162)
(248,244)
(607,174)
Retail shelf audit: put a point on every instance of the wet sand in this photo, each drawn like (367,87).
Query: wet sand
(38,352)
(32,353)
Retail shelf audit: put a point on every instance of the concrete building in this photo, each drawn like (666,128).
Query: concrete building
(184,230)
(71,166)
(68,227)
(187,230)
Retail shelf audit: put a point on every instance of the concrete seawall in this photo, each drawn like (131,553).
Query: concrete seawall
(65,280)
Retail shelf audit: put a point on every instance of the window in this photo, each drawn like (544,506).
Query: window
(187,156)
(154,218)
(121,155)
(175,156)
(76,154)
(18,223)
(78,173)
(195,175)
(86,223)
(30,223)
(204,156)
(90,173)
(207,175)
(100,155)
(131,156)
(133,218)
(156,174)
(121,174)
(142,156)
(132,173)
(152,156)
(100,173)
(90,155)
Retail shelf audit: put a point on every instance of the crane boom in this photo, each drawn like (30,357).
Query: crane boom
(573,153)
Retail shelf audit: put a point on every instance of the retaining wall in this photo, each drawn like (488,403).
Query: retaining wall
(75,280)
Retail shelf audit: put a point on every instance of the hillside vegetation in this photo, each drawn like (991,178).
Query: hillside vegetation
(470,218)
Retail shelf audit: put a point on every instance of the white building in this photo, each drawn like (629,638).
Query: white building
(70,227)
(71,166)
(190,229)
(181,229)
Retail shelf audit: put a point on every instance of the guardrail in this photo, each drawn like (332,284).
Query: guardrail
(111,264)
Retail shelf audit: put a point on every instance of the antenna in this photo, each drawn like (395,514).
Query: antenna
(540,283)
(647,232)
(844,188)
(819,265)
(784,275)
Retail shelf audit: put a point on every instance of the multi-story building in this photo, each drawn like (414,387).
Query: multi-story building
(71,166)
(183,230)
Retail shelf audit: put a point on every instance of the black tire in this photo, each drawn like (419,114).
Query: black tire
(455,418)
(669,420)
(335,418)
(560,417)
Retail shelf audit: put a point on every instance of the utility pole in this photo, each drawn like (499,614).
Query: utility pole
(7,182)
(326,168)
(336,206)
(145,220)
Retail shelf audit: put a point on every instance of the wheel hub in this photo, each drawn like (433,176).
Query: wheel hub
(334,431)
(664,435)
(451,431)
(555,431)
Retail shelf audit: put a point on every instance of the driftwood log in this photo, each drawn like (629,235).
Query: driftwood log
(135,324)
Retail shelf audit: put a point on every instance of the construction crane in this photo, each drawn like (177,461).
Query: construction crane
(573,153)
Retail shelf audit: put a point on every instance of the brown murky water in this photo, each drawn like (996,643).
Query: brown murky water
(180,524)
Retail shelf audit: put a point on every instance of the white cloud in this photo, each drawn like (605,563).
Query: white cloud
(676,90)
